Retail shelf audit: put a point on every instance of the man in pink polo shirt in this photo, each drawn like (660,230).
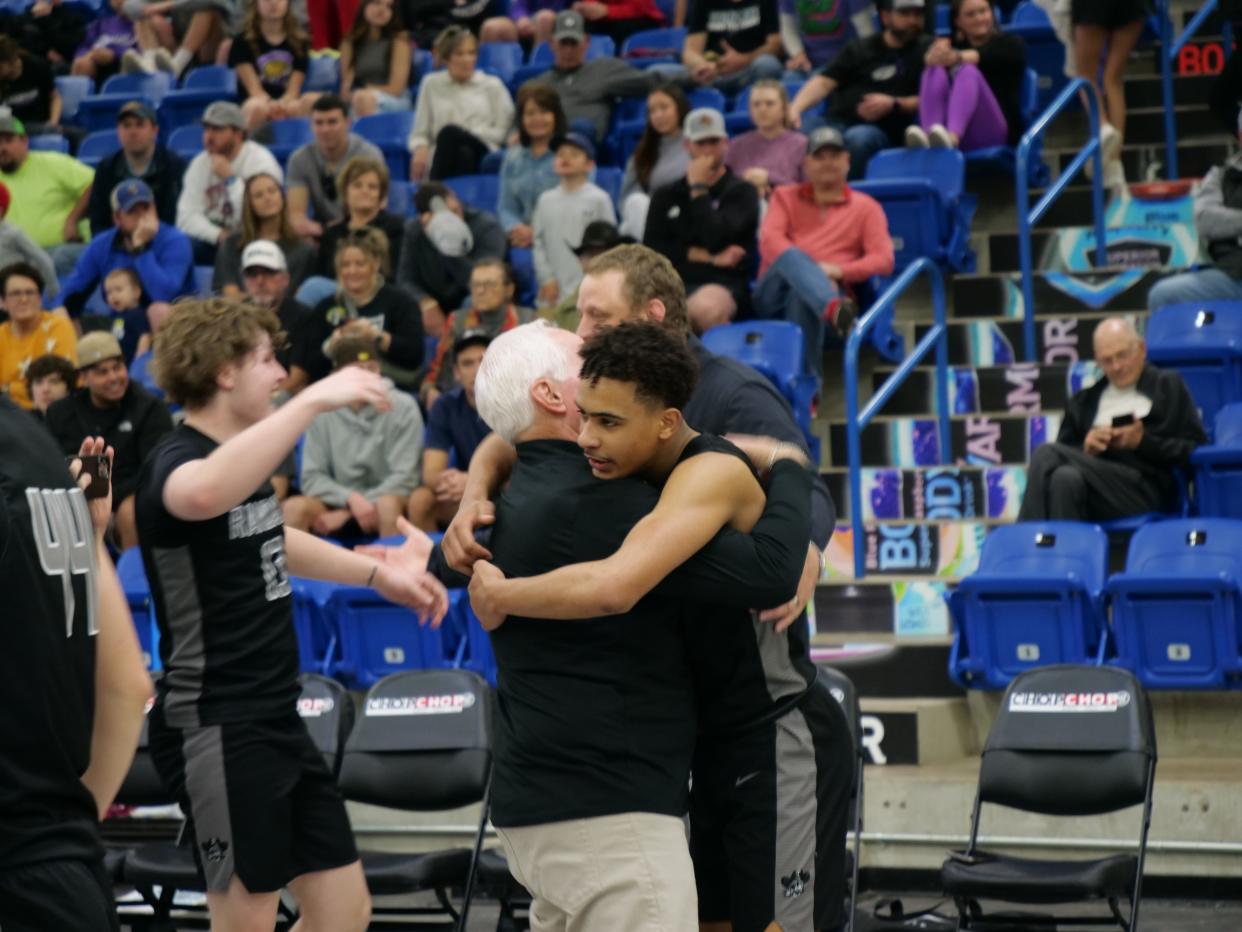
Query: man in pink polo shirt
(818,240)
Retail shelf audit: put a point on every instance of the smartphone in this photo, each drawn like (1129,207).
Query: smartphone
(1123,420)
(100,471)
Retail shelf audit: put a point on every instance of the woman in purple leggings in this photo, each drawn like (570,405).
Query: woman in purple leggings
(969,96)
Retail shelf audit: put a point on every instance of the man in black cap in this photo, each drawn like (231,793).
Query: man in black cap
(599,236)
(141,156)
(454,429)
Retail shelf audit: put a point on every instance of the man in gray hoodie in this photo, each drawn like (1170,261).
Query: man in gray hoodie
(359,463)
(16,246)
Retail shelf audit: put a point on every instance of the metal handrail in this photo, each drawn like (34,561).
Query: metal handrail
(1169,50)
(855,420)
(1027,216)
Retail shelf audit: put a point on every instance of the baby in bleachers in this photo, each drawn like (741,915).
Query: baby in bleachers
(123,292)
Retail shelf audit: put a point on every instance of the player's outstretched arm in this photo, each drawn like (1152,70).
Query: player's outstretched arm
(203,489)
(490,466)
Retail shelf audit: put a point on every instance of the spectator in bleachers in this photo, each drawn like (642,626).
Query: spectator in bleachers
(160,254)
(462,113)
(50,30)
(196,27)
(141,156)
(730,44)
(818,240)
(28,88)
(705,223)
(425,19)
(771,154)
(619,19)
(366,306)
(130,325)
(106,41)
(562,215)
(588,89)
(814,35)
(454,429)
(210,205)
(874,84)
(359,464)
(529,21)
(1120,440)
(527,170)
(440,247)
(1105,34)
(125,414)
(265,215)
(265,273)
(599,236)
(969,97)
(658,159)
(49,194)
(48,379)
(315,200)
(30,331)
(491,311)
(376,61)
(363,184)
(1218,221)
(16,246)
(270,59)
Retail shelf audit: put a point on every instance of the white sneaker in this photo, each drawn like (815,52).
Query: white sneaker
(163,61)
(916,138)
(1110,143)
(941,138)
(1114,175)
(133,62)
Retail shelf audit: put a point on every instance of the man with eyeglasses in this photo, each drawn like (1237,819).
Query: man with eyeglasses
(1121,440)
(314,201)
(265,277)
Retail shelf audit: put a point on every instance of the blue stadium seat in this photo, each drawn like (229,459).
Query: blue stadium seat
(391,133)
(318,642)
(423,63)
(599,47)
(929,214)
(490,165)
(610,180)
(527,72)
(1176,606)
(1044,52)
(98,111)
(323,74)
(1004,158)
(1036,599)
(288,136)
(49,142)
(74,88)
(501,59)
(654,47)
(133,578)
(481,191)
(186,141)
(1203,342)
(401,198)
(774,348)
(522,262)
(202,86)
(98,146)
(477,643)
(140,372)
(703,97)
(378,638)
(202,280)
(1218,467)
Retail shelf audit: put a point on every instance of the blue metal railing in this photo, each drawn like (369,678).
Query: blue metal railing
(1170,48)
(855,420)
(1028,217)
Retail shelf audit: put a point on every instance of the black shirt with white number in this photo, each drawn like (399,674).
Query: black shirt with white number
(222,599)
(47,651)
(744,24)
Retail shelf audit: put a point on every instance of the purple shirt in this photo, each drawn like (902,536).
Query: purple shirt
(782,156)
(521,8)
(111,32)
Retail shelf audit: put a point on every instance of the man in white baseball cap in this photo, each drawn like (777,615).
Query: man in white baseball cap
(265,279)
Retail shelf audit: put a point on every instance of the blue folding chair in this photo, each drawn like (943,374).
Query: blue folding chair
(323,74)
(186,141)
(654,47)
(98,112)
(501,59)
(318,641)
(481,191)
(1203,342)
(929,213)
(287,136)
(133,577)
(1044,52)
(391,133)
(1176,606)
(98,146)
(774,348)
(1036,599)
(49,142)
(202,86)
(73,88)
(1218,467)
(378,638)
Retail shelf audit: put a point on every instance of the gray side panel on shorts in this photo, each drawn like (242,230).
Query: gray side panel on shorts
(796,819)
(183,680)
(779,673)
(203,749)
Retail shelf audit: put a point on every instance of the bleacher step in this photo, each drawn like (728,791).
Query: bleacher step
(1145,125)
(1072,248)
(1017,388)
(932,493)
(1194,157)
(1055,293)
(1074,207)
(908,442)
(1058,339)
(1148,91)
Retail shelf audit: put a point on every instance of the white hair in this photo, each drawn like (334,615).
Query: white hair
(515,361)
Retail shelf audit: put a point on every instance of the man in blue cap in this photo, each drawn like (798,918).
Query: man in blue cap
(142,156)
(160,255)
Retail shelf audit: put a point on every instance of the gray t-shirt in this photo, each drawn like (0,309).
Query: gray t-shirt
(372,62)
(308,169)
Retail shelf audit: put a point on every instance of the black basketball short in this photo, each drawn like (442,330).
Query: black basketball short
(50,895)
(1108,14)
(768,814)
(261,802)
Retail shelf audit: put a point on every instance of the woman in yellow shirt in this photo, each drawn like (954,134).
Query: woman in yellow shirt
(30,332)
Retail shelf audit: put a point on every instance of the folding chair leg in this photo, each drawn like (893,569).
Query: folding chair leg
(468,892)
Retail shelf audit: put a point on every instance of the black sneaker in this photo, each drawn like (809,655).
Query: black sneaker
(847,314)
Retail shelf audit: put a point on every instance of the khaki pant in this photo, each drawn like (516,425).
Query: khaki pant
(628,872)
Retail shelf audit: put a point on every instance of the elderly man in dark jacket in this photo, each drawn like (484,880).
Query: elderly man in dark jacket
(1120,442)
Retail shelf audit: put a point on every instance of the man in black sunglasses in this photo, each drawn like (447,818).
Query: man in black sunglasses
(314,200)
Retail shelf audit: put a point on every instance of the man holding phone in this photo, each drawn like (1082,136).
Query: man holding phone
(1120,442)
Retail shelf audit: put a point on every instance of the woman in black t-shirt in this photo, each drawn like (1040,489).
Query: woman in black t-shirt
(969,94)
(269,57)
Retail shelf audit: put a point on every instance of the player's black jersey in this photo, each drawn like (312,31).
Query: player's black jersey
(48,566)
(744,672)
(222,599)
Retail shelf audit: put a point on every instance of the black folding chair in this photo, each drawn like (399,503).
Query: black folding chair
(422,742)
(841,688)
(1070,740)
